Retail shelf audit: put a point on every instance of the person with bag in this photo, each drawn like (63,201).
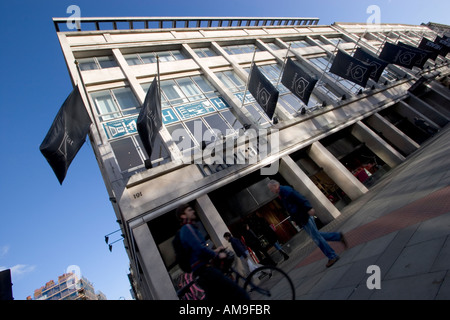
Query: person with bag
(302,213)
(252,241)
(240,249)
(217,286)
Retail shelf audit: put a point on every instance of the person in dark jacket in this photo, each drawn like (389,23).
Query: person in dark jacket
(217,286)
(303,213)
(270,235)
(252,241)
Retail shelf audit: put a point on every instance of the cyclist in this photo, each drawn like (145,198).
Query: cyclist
(217,286)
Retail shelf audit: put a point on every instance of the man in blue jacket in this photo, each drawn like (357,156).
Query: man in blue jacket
(217,286)
(303,213)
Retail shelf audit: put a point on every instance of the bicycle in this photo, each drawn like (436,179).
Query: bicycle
(266,282)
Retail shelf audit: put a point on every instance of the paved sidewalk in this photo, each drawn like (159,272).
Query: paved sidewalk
(402,225)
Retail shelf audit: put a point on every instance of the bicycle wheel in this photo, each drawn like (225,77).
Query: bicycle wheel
(269,282)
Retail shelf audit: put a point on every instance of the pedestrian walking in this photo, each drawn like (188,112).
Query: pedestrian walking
(303,213)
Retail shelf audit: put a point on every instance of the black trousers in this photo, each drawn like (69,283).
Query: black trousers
(218,287)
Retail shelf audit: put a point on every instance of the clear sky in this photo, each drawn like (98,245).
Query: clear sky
(46,227)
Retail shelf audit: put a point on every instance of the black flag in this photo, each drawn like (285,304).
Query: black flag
(445,43)
(431,46)
(399,55)
(422,55)
(371,59)
(263,91)
(352,69)
(299,81)
(149,121)
(66,135)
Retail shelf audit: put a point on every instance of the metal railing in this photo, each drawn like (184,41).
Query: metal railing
(130,23)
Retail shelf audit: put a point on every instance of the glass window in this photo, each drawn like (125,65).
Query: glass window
(181,137)
(105,105)
(97,63)
(87,64)
(126,154)
(115,103)
(199,131)
(132,59)
(204,85)
(273,46)
(173,92)
(160,155)
(217,123)
(165,56)
(190,89)
(126,99)
(106,62)
(239,49)
(299,44)
(148,57)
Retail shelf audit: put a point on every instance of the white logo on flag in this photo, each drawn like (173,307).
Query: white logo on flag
(357,72)
(263,96)
(406,57)
(66,142)
(300,86)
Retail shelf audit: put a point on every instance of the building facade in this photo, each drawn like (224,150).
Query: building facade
(68,287)
(217,148)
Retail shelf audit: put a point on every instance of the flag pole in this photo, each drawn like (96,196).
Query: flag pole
(249,76)
(89,101)
(329,60)
(356,44)
(384,41)
(284,64)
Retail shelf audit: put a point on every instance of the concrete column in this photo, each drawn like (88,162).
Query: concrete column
(158,279)
(395,136)
(336,171)
(427,110)
(295,176)
(211,219)
(377,145)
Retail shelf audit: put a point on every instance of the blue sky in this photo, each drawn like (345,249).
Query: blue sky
(46,227)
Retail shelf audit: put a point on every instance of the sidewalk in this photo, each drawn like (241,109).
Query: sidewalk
(402,225)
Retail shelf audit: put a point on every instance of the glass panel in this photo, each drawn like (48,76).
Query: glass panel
(159,150)
(165,56)
(198,130)
(229,116)
(208,52)
(104,104)
(173,92)
(200,53)
(190,89)
(204,84)
(87,64)
(148,57)
(273,46)
(107,62)
(216,122)
(126,98)
(236,80)
(178,55)
(132,59)
(180,137)
(126,154)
